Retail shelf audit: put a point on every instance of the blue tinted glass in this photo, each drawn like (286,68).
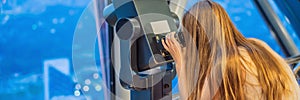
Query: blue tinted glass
(36,39)
(36,35)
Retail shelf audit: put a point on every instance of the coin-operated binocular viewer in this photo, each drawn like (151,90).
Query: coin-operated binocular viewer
(142,65)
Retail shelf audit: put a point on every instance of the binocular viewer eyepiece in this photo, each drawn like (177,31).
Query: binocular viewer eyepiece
(142,63)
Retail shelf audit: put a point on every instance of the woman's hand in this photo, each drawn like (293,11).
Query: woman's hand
(178,54)
(174,48)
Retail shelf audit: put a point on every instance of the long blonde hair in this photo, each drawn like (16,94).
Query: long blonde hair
(208,28)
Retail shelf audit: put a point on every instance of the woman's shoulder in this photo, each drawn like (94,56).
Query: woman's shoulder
(294,86)
(246,61)
(269,49)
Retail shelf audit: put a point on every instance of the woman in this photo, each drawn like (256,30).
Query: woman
(218,62)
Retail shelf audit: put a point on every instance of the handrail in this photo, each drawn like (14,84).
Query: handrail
(293,59)
(296,71)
